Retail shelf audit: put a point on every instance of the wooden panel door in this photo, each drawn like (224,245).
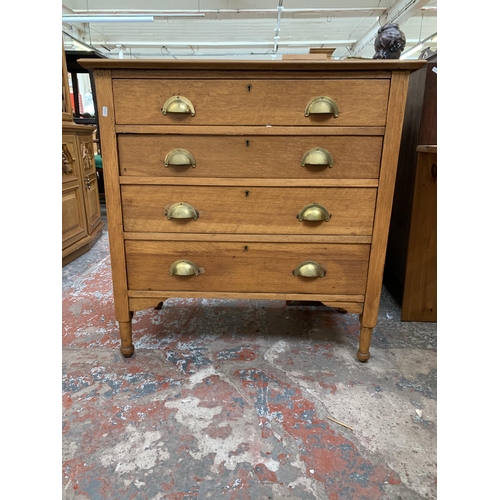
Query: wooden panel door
(89,180)
(74,224)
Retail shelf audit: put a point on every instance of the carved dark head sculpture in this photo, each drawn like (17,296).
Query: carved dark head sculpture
(390,42)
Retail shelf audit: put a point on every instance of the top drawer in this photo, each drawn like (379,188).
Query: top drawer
(251,102)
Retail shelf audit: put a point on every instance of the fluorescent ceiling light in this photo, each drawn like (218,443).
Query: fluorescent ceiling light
(124,18)
(107,19)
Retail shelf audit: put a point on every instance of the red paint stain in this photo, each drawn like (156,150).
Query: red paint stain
(264,474)
(334,460)
(186,443)
(67,401)
(217,432)
(213,392)
(241,486)
(392,479)
(332,388)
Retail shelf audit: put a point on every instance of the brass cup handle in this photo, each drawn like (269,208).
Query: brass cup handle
(317,157)
(309,269)
(321,105)
(179,157)
(178,104)
(314,212)
(183,268)
(180,210)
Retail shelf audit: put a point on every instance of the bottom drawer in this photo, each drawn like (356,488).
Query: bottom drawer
(247,267)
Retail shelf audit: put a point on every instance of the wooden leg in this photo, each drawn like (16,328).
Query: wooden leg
(365,337)
(126,348)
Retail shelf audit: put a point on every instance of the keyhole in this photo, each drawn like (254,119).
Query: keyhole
(249,87)
(245,248)
(248,143)
(247,193)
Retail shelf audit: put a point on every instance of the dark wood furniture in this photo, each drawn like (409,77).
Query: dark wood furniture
(420,283)
(419,296)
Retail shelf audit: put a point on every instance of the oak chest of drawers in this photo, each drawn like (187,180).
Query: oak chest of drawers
(249,180)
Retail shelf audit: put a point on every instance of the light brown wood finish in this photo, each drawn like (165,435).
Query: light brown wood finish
(203,181)
(246,296)
(250,156)
(244,268)
(74,226)
(256,238)
(397,100)
(420,285)
(81,215)
(139,303)
(251,260)
(260,130)
(269,102)
(113,202)
(252,210)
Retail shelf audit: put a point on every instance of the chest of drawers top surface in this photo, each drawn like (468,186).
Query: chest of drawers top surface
(249,179)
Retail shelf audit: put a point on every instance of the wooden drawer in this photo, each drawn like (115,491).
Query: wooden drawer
(247,267)
(246,210)
(251,102)
(354,157)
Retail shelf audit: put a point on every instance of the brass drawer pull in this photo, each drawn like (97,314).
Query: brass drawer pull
(317,157)
(183,268)
(178,104)
(314,212)
(309,269)
(320,105)
(179,157)
(181,210)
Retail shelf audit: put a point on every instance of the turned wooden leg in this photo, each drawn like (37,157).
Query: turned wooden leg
(365,338)
(126,348)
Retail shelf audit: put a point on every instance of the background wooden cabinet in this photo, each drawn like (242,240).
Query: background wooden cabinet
(81,211)
(411,260)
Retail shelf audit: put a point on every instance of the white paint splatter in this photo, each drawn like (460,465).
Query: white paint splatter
(277,348)
(136,451)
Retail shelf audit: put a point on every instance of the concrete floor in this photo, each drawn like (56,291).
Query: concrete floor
(232,399)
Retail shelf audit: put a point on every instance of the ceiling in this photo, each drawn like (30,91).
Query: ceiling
(244,29)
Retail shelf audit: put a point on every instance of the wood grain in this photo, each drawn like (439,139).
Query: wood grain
(356,157)
(420,285)
(235,267)
(260,130)
(272,238)
(245,182)
(139,303)
(228,102)
(113,196)
(258,210)
(397,101)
